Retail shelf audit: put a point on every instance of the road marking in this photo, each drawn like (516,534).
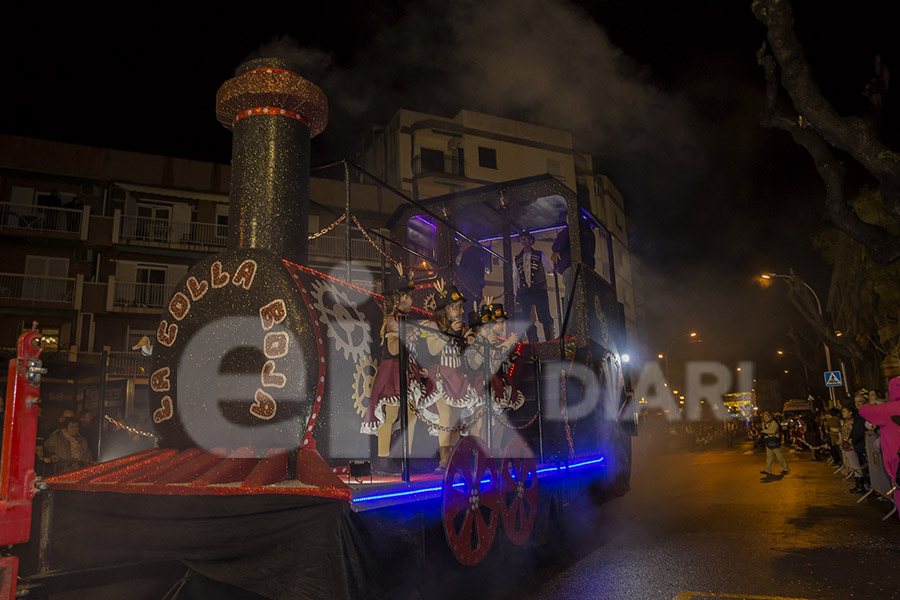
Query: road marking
(704,595)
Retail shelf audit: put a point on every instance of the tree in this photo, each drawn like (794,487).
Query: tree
(868,310)
(817,126)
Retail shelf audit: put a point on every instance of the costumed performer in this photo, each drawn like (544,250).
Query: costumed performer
(384,403)
(493,336)
(451,390)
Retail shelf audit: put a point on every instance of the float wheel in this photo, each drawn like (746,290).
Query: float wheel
(518,491)
(471,506)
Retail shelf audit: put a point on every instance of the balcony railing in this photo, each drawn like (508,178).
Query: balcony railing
(141,295)
(28,218)
(37,289)
(129,364)
(333,246)
(167,231)
(448,164)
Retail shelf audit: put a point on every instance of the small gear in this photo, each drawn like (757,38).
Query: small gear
(429,304)
(362,384)
(346,325)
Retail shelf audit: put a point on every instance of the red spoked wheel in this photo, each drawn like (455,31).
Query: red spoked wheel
(471,501)
(518,491)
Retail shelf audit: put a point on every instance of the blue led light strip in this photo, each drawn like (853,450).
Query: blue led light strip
(430,490)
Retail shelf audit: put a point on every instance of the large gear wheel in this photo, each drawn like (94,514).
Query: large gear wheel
(363,379)
(345,324)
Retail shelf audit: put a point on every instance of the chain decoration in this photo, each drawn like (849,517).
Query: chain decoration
(460,427)
(396,262)
(131,429)
(563,408)
(509,425)
(327,229)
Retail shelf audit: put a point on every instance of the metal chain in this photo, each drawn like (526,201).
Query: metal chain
(130,429)
(385,254)
(326,230)
(459,427)
(565,413)
(509,425)
(562,401)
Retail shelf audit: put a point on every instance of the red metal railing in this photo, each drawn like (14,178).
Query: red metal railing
(17,477)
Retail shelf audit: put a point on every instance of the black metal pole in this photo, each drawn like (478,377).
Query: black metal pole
(404,393)
(565,324)
(348,256)
(489,397)
(101,402)
(537,397)
(559,315)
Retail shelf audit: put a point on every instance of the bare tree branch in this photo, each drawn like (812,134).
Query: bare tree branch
(815,124)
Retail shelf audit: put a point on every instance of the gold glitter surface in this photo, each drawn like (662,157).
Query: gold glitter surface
(272,87)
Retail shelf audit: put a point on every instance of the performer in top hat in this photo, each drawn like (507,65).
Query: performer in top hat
(452,391)
(494,342)
(384,403)
(530,284)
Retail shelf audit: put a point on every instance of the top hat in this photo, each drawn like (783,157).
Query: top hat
(447,295)
(495,311)
(395,283)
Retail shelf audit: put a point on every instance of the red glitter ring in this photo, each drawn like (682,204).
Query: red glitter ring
(270,110)
(273,70)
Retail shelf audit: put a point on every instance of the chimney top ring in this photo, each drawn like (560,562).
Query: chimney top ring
(271,83)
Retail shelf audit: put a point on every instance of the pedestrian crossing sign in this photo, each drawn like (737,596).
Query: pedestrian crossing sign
(833,379)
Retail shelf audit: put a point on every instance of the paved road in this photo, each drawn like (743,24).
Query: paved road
(704,525)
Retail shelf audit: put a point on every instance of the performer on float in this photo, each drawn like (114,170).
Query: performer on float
(501,347)
(384,404)
(451,391)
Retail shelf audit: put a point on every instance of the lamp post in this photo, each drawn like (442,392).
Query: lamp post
(692,334)
(819,307)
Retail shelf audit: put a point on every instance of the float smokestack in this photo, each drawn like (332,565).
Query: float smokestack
(274,112)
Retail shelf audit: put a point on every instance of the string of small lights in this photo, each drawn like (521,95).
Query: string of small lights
(388,256)
(131,429)
(327,229)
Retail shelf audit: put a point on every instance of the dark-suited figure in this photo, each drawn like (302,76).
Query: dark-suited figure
(530,283)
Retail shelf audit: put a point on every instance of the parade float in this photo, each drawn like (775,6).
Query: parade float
(262,373)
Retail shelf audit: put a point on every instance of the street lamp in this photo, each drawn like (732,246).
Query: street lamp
(690,335)
(818,306)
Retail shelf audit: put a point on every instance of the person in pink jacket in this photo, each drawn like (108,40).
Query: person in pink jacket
(880,414)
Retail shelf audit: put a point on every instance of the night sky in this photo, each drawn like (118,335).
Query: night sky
(665,94)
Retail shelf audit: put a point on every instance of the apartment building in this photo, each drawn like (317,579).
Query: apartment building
(428,156)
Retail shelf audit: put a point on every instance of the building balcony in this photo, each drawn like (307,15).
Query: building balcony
(147,231)
(19,290)
(44,221)
(332,247)
(128,296)
(128,364)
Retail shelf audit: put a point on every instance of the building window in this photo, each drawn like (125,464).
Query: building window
(487,157)
(222,221)
(421,236)
(432,160)
(554,167)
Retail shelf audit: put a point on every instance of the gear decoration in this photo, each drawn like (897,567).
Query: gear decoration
(471,501)
(363,379)
(345,324)
(429,304)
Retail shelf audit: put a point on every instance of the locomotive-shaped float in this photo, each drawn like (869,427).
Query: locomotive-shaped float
(268,375)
